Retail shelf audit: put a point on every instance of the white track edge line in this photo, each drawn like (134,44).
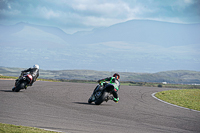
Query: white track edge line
(153,95)
(50,130)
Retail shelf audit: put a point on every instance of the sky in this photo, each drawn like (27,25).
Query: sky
(84,15)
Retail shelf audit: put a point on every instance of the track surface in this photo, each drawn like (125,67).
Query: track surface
(63,107)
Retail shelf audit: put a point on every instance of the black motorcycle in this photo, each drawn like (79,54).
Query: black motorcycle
(102,93)
(22,82)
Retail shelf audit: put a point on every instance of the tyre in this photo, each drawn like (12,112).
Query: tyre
(101,98)
(89,100)
(13,89)
(19,87)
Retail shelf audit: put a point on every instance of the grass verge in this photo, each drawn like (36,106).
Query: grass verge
(8,128)
(149,84)
(188,98)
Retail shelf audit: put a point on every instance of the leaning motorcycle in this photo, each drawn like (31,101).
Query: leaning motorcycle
(102,93)
(22,82)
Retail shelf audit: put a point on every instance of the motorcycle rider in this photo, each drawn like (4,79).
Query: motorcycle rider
(114,80)
(34,72)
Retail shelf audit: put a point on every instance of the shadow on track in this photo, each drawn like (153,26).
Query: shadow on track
(84,103)
(6,90)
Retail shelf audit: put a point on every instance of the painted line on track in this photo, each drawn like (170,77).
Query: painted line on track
(50,130)
(153,95)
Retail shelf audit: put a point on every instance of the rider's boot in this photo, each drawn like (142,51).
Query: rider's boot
(114,99)
(26,87)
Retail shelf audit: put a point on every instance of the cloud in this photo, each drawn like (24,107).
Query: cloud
(47,13)
(88,14)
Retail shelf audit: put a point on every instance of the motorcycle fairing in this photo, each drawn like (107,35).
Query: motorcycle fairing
(30,77)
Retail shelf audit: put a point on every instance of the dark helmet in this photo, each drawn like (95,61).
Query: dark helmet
(116,75)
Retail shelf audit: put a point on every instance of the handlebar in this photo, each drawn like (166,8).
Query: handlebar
(102,82)
(24,73)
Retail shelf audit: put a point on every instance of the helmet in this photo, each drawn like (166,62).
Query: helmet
(116,75)
(36,66)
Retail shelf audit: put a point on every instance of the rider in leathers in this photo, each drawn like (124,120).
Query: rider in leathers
(34,72)
(114,80)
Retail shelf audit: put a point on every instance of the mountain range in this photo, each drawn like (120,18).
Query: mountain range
(132,46)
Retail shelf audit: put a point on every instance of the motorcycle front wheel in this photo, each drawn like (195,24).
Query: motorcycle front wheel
(19,87)
(89,100)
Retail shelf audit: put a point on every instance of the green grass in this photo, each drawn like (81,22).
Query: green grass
(8,128)
(7,77)
(189,98)
(149,84)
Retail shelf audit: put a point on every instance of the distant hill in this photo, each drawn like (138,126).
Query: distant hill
(142,31)
(134,46)
(178,76)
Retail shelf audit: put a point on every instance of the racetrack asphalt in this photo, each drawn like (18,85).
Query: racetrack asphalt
(62,106)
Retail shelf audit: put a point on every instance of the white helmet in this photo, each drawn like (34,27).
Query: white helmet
(36,66)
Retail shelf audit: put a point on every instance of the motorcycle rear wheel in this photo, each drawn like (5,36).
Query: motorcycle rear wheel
(101,98)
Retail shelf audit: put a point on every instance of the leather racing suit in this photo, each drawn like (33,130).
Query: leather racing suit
(112,81)
(34,72)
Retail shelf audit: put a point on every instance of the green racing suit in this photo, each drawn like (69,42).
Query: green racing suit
(115,82)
